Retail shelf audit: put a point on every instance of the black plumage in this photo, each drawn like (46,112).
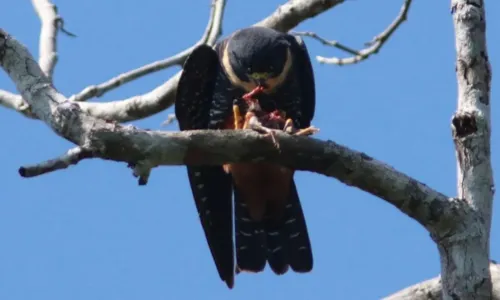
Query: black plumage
(269,222)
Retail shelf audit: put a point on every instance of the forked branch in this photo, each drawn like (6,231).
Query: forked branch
(373,46)
(162,97)
(212,32)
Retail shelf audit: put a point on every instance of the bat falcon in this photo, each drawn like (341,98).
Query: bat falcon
(269,225)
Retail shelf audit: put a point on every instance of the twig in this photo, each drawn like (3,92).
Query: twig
(210,35)
(373,47)
(71,157)
(60,26)
(47,12)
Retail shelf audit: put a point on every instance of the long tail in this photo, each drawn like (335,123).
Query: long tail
(284,243)
(250,238)
(212,193)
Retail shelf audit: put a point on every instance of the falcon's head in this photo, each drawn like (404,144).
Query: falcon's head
(259,55)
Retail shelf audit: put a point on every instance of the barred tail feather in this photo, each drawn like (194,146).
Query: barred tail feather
(276,244)
(283,243)
(298,242)
(249,239)
(212,193)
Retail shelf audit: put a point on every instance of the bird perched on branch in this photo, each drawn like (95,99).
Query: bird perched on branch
(265,74)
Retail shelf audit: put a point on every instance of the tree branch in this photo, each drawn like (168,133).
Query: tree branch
(71,157)
(140,106)
(431,289)
(47,12)
(212,32)
(373,47)
(292,13)
(16,103)
(325,42)
(136,107)
(146,149)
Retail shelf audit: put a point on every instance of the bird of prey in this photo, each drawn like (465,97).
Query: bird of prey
(269,224)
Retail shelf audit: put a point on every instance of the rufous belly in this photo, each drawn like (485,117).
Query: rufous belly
(263,186)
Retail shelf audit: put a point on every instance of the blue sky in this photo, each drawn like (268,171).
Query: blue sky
(90,232)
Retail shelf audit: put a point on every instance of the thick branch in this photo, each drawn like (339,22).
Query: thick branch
(47,12)
(432,289)
(148,149)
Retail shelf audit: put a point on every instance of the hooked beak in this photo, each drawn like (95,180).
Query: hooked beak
(260,78)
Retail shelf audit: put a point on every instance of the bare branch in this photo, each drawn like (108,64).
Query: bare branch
(431,289)
(71,157)
(148,149)
(15,102)
(284,18)
(210,36)
(60,25)
(373,47)
(47,12)
(136,107)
